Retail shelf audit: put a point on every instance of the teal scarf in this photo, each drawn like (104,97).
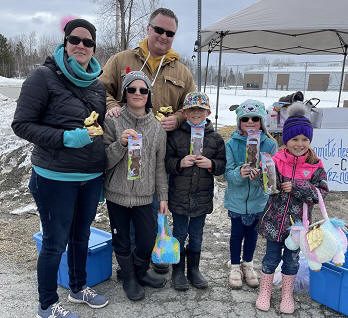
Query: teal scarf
(74,71)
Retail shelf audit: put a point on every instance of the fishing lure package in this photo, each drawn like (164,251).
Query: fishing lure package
(134,157)
(197,136)
(252,157)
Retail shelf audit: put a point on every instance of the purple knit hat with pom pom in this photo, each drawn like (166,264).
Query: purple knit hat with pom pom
(297,123)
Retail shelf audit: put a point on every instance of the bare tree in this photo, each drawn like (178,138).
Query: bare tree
(47,45)
(123,22)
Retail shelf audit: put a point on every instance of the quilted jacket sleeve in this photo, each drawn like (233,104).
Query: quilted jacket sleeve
(219,162)
(32,103)
(305,190)
(172,159)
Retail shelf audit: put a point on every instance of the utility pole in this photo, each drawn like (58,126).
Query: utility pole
(199,55)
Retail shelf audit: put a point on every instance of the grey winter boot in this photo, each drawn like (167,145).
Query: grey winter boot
(160,268)
(145,277)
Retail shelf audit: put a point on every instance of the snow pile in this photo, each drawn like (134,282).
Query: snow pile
(14,159)
(4,81)
(9,141)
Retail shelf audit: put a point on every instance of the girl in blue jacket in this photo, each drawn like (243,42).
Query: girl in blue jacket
(244,196)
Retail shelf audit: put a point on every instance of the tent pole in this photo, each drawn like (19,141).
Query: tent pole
(236,81)
(199,51)
(342,74)
(305,76)
(218,83)
(267,80)
(206,71)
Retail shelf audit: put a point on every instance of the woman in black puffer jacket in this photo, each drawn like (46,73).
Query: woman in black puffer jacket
(68,160)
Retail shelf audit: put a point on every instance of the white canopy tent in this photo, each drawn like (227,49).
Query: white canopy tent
(281,27)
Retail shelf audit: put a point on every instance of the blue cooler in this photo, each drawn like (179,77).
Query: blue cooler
(99,258)
(329,286)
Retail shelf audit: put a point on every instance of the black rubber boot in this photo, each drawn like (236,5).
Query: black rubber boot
(193,274)
(145,277)
(160,268)
(179,279)
(131,286)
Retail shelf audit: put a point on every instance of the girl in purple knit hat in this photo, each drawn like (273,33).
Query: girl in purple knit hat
(299,173)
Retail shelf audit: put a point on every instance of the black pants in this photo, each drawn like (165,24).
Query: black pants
(145,226)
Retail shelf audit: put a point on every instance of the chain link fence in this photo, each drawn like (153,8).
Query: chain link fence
(303,76)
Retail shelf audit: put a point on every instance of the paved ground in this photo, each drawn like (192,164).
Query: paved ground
(18,296)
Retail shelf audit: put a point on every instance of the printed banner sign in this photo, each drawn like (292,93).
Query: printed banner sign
(331,145)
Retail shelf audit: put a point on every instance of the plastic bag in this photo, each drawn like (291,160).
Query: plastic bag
(301,284)
(269,176)
(167,247)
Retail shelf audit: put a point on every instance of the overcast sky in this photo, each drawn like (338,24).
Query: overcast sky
(44,16)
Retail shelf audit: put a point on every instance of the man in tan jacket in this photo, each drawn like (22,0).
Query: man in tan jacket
(171,80)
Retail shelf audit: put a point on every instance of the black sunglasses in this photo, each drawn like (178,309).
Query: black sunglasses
(246,119)
(160,31)
(142,90)
(75,40)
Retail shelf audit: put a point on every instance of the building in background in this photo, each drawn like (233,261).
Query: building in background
(303,77)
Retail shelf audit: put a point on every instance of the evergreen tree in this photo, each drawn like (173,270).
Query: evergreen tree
(6,60)
(20,58)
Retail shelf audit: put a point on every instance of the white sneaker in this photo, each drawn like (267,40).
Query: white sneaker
(235,278)
(250,275)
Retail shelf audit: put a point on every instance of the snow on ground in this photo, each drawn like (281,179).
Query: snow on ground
(30,208)
(9,141)
(10,81)
(228,97)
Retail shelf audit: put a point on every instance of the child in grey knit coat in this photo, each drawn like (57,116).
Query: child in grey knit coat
(130,200)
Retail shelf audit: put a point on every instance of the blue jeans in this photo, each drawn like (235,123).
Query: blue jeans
(277,251)
(240,232)
(192,227)
(67,210)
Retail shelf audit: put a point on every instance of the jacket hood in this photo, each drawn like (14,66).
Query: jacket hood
(50,63)
(170,56)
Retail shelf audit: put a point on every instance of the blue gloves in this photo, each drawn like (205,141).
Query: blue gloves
(76,138)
